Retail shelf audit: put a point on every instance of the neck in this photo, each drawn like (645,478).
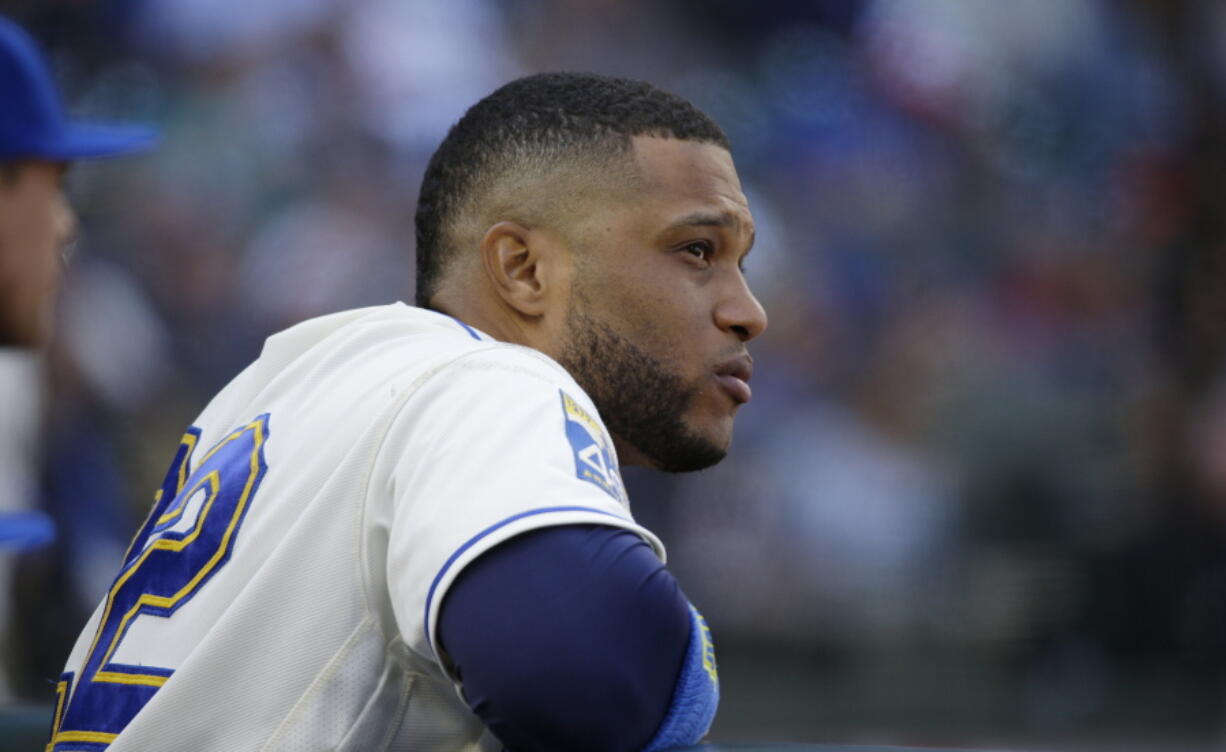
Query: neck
(498,324)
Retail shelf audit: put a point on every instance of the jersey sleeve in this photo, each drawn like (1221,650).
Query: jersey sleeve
(492,445)
(543,623)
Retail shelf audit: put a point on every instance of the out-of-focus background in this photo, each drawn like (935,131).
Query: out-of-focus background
(980,495)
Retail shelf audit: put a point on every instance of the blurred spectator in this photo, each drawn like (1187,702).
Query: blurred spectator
(36,225)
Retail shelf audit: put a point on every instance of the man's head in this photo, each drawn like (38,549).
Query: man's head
(36,143)
(602,222)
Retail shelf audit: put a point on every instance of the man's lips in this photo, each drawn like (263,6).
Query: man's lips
(734,376)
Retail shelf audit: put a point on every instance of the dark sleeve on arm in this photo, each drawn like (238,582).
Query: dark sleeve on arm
(567,638)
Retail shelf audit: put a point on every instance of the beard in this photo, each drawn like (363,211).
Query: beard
(639,398)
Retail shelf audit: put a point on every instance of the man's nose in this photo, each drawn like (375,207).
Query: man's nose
(740,312)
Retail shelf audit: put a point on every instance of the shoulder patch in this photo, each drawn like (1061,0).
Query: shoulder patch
(595,459)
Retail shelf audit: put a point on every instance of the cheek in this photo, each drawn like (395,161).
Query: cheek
(666,325)
(659,309)
(29,216)
(40,247)
(29,244)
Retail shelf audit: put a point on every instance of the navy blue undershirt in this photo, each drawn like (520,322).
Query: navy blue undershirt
(567,638)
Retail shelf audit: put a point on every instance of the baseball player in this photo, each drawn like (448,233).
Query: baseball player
(405,528)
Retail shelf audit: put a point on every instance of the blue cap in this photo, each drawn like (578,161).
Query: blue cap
(32,123)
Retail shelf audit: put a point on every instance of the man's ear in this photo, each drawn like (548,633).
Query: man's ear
(516,261)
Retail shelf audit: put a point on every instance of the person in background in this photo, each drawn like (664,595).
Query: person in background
(37,224)
(37,144)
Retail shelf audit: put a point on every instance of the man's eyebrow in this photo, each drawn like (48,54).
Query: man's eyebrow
(716,219)
(726,220)
(708,219)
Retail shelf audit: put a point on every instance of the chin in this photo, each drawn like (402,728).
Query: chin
(716,431)
(23,333)
(690,452)
(689,462)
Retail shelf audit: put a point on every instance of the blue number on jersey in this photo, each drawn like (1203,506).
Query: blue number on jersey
(187,539)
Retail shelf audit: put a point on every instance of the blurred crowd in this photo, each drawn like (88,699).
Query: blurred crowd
(989,422)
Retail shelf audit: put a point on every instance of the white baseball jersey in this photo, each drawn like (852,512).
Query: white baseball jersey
(284,591)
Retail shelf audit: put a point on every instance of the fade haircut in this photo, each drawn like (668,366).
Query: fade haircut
(533,132)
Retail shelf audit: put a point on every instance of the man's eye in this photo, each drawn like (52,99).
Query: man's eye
(699,249)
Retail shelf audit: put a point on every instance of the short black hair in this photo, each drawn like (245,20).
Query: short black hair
(533,121)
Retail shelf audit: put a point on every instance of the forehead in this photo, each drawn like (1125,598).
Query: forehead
(678,176)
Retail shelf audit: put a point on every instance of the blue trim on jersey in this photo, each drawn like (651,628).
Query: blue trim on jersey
(477,538)
(471,332)
(697,694)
